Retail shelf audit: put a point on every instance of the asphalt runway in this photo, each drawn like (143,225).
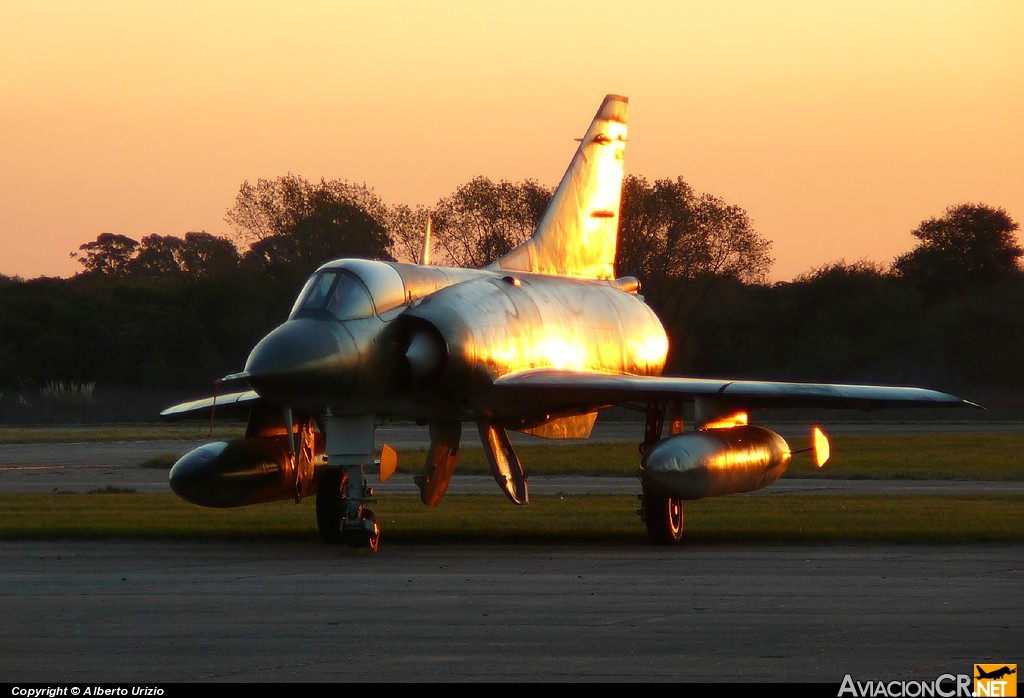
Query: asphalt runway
(161,612)
(139,613)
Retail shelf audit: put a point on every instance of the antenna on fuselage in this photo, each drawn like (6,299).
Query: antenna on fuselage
(427,234)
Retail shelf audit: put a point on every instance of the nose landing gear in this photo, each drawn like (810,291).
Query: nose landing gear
(341,516)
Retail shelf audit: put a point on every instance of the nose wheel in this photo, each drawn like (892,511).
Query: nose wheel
(341,519)
(366,537)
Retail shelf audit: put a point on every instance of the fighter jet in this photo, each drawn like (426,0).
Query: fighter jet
(539,342)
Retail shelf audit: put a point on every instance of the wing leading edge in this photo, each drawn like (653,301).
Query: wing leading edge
(568,390)
(231,405)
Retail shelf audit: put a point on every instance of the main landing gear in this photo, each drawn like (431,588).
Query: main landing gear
(663,517)
(340,514)
(662,514)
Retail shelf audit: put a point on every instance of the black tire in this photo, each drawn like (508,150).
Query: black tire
(365,538)
(664,518)
(329,506)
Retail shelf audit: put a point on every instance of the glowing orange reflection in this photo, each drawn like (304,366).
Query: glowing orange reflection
(736,419)
(650,350)
(822,450)
(563,347)
(759,456)
(547,351)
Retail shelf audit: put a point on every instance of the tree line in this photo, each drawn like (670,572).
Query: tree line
(172,313)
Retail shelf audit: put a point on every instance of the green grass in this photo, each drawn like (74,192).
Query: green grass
(597,518)
(116,432)
(953,455)
(967,456)
(492,519)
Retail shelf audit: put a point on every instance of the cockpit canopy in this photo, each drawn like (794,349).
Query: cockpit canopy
(350,289)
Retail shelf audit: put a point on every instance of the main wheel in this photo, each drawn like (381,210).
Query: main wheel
(664,518)
(330,505)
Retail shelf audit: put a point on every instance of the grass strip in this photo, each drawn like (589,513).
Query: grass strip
(957,456)
(116,432)
(952,455)
(491,519)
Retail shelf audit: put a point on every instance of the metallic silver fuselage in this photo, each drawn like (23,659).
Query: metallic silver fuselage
(450,332)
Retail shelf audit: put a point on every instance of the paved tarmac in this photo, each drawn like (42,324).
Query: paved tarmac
(144,613)
(162,612)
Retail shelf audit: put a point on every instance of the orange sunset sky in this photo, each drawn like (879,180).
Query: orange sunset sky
(838,126)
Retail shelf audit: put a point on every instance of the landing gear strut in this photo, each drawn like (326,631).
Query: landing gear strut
(661,513)
(340,514)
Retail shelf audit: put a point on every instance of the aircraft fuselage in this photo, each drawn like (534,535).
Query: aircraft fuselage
(450,333)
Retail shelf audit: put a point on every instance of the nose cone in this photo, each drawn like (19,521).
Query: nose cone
(303,363)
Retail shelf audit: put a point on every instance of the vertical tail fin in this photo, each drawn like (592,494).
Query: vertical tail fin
(578,233)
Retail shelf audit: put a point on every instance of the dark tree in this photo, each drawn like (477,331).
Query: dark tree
(844,322)
(330,230)
(275,207)
(109,254)
(293,226)
(483,220)
(407,227)
(970,246)
(682,247)
(156,257)
(204,255)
